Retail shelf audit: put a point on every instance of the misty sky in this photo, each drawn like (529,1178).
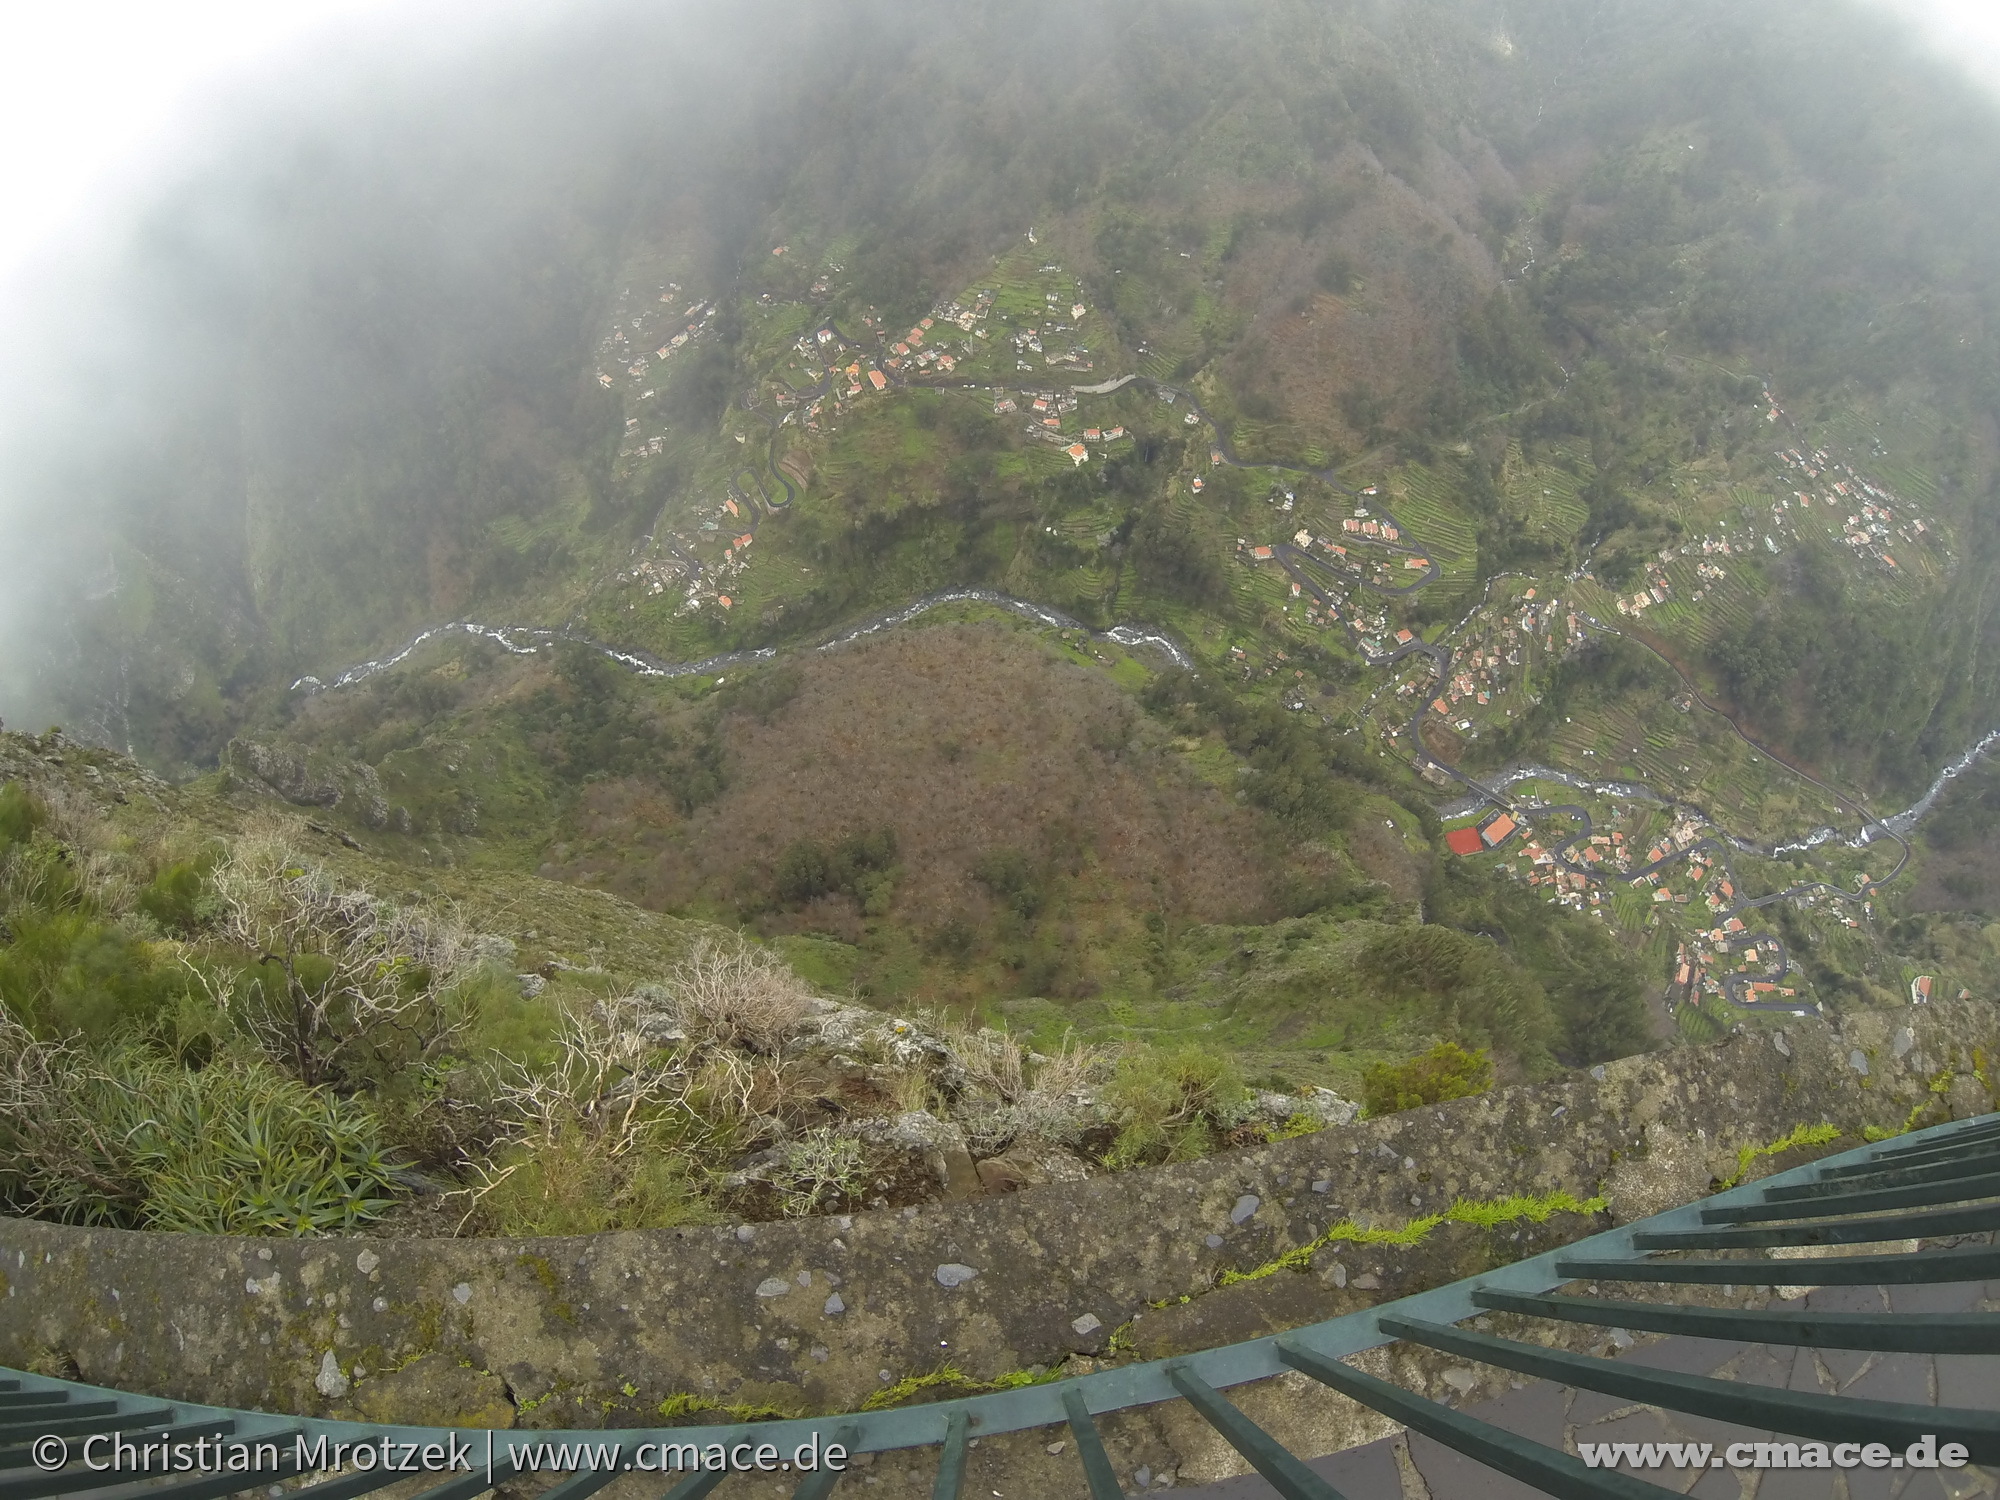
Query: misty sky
(95,99)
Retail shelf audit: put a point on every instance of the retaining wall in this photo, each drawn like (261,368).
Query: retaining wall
(818,1314)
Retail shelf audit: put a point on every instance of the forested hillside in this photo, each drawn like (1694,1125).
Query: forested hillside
(1320,528)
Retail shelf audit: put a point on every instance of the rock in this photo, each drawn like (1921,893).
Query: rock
(961,1179)
(952,1274)
(1247,1205)
(1367,1281)
(998,1175)
(1031,1160)
(1056,1450)
(745,1233)
(1142,1476)
(1905,1040)
(1323,1107)
(531,985)
(1214,1242)
(332,1381)
(1858,1060)
(834,1306)
(1460,1379)
(436,1391)
(915,1157)
(367,1261)
(462,1293)
(1324,1185)
(773,1286)
(1086,1325)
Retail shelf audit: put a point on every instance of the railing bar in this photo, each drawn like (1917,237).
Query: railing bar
(1929,1161)
(13,1398)
(1956,1138)
(1933,1267)
(1914,1162)
(36,1409)
(1805,1413)
(67,1481)
(1547,1469)
(1942,1171)
(1281,1468)
(1915,1195)
(1966,1143)
(212,1486)
(1090,1449)
(1932,1225)
(819,1484)
(951,1463)
(1883,1333)
(111,1421)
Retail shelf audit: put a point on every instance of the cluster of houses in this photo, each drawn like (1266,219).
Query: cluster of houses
(1562,886)
(1495,648)
(1702,965)
(1658,590)
(625,343)
(1046,410)
(913,355)
(1869,519)
(1029,339)
(630,348)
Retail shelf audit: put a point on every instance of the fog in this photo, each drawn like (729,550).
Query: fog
(262,260)
(1964,33)
(146,150)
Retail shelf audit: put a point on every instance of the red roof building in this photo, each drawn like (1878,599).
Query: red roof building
(1463,841)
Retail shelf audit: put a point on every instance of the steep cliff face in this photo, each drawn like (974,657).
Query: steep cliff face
(821,1315)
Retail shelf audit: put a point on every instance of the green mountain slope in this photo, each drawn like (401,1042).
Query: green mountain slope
(1595,392)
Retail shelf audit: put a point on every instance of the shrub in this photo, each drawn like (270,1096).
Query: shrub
(345,988)
(1447,1071)
(138,1141)
(67,973)
(595,1140)
(179,897)
(861,865)
(817,1170)
(733,995)
(41,871)
(572,1183)
(1171,1102)
(20,814)
(1014,880)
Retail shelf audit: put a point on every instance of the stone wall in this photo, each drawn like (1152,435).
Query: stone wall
(814,1315)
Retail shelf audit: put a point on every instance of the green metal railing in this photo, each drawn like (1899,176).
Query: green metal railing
(1938,1184)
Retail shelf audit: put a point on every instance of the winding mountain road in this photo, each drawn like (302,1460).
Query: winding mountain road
(1312,574)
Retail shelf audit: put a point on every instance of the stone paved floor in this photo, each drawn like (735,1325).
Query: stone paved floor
(1410,1467)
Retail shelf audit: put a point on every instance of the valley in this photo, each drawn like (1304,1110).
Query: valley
(1263,551)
